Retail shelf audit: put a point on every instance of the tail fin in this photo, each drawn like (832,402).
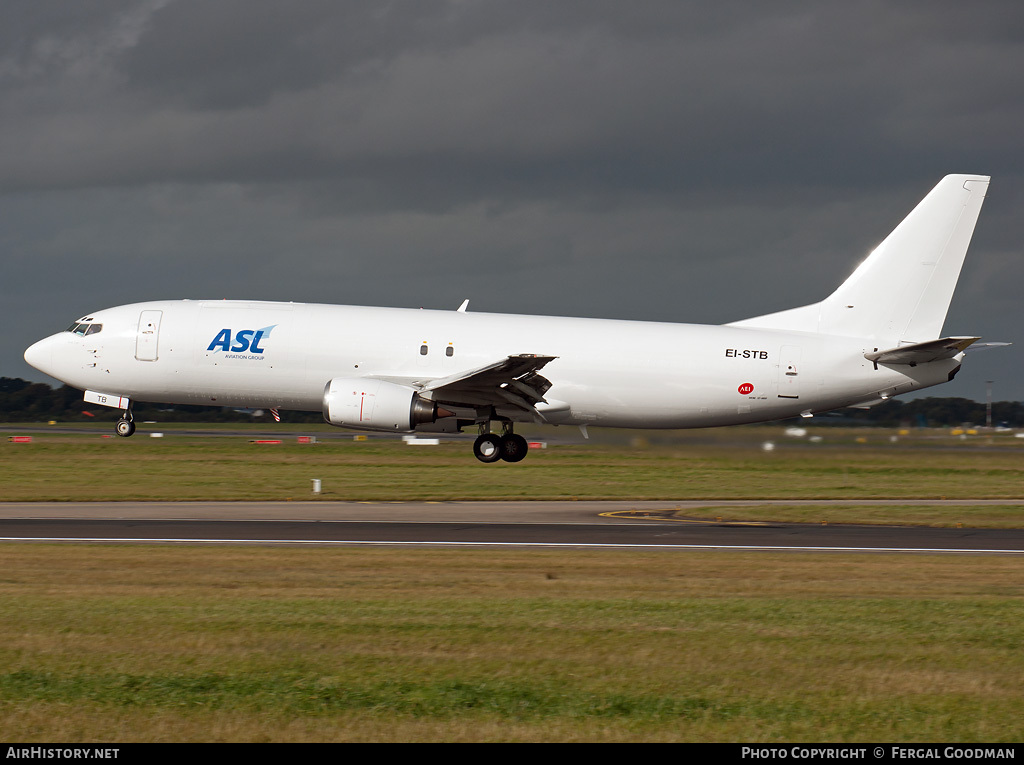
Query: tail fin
(902,291)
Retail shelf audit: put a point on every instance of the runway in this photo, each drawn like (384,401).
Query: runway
(632,525)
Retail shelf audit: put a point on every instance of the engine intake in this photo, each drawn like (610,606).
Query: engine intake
(367,404)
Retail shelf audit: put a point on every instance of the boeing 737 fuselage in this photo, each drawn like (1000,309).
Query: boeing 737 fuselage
(404,370)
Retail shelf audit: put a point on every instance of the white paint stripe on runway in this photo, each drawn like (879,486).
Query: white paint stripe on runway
(619,521)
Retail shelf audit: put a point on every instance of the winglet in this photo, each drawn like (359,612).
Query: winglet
(462,308)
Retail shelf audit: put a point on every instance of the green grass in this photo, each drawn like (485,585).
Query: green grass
(112,643)
(711,465)
(249,644)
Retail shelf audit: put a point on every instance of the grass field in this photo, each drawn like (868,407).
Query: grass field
(725,464)
(118,643)
(256,644)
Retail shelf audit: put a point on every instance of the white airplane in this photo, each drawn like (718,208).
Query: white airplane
(393,369)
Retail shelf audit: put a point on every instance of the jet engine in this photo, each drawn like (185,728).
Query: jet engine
(367,404)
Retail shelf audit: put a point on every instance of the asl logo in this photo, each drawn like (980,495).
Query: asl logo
(746,388)
(242,341)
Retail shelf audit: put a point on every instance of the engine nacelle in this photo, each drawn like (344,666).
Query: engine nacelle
(367,404)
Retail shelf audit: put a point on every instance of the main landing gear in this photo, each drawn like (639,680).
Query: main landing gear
(126,425)
(490,447)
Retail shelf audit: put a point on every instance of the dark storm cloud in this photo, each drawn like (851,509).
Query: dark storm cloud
(653,160)
(521,98)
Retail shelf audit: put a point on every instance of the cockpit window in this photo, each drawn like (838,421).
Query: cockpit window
(81,328)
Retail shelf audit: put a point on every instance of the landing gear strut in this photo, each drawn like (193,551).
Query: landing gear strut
(490,447)
(126,425)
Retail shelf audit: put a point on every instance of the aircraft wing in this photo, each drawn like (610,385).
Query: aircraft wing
(515,381)
(921,353)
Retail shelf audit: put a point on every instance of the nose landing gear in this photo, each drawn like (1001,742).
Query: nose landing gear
(126,425)
(490,447)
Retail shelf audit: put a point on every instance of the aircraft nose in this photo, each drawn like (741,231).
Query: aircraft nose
(40,355)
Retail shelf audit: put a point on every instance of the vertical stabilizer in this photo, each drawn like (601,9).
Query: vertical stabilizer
(902,291)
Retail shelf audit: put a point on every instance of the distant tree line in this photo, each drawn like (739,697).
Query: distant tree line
(23,401)
(933,412)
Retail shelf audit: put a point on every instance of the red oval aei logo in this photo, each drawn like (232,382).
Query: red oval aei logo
(746,388)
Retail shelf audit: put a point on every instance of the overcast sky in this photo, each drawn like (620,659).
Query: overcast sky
(669,161)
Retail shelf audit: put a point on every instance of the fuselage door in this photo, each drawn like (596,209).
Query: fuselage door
(149,336)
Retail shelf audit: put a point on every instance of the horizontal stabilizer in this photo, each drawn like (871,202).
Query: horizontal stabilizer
(922,353)
(986,346)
